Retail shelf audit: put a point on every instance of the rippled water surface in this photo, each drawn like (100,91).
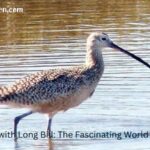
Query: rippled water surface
(51,34)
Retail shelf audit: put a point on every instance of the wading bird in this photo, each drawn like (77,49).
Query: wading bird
(55,90)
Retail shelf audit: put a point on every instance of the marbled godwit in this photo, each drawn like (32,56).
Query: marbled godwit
(56,90)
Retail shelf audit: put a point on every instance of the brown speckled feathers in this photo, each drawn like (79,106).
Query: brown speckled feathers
(47,85)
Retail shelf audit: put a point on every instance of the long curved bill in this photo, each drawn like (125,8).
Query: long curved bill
(112,45)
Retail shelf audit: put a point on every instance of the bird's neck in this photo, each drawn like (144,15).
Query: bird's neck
(94,57)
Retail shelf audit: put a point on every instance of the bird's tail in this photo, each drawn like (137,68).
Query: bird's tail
(4,92)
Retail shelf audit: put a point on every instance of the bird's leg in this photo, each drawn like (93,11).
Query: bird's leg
(16,121)
(49,127)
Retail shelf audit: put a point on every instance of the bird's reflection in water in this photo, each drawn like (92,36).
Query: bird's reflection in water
(38,145)
(50,144)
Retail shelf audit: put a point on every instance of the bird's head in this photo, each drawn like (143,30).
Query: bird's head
(101,40)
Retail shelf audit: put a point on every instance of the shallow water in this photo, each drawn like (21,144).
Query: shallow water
(53,34)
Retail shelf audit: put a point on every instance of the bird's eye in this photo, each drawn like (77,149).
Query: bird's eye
(103,39)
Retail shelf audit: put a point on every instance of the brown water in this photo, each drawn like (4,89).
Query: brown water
(53,33)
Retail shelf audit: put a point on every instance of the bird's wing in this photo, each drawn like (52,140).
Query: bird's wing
(45,86)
